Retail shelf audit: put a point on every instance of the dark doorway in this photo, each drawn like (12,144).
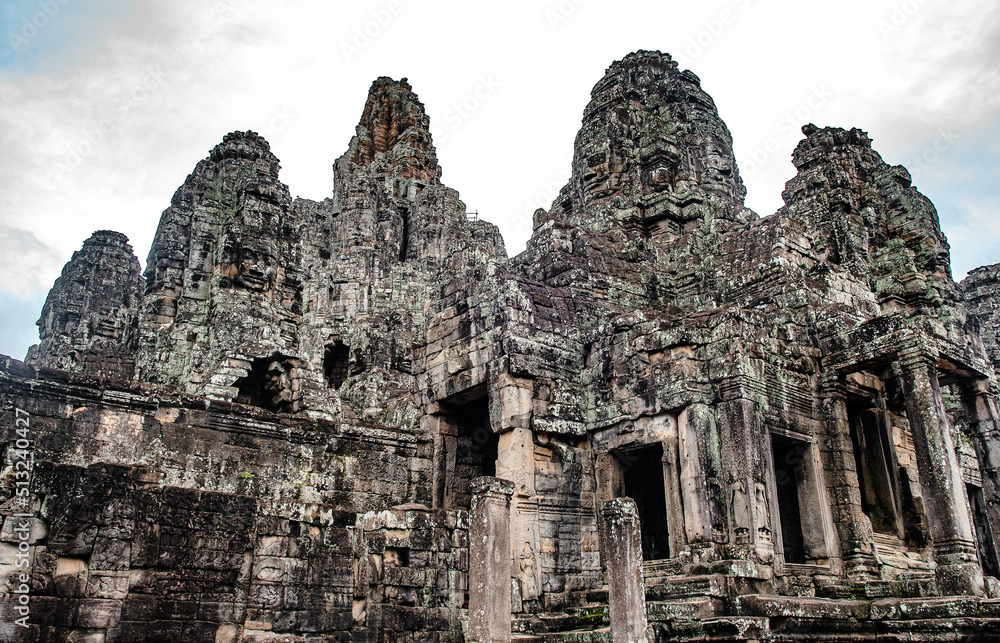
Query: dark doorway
(474,446)
(984,531)
(788,477)
(404,242)
(873,457)
(642,471)
(336,361)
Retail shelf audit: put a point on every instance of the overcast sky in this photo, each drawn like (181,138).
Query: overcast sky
(106,105)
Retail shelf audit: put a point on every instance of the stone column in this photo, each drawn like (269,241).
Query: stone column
(941,485)
(857,540)
(701,475)
(672,487)
(489,561)
(431,424)
(515,403)
(608,481)
(626,588)
(512,417)
(516,462)
(744,441)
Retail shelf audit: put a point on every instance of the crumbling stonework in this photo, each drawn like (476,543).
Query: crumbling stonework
(278,438)
(980,290)
(89,322)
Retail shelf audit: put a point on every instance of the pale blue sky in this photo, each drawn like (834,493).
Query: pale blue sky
(109,104)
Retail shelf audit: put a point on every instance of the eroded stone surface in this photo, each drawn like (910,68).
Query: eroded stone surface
(802,406)
(980,290)
(89,322)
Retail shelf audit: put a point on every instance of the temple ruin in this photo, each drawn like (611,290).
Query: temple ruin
(668,419)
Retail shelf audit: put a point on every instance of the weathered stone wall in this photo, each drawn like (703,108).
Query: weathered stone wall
(175,518)
(980,291)
(800,405)
(411,575)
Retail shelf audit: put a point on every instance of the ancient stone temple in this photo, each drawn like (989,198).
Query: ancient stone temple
(668,419)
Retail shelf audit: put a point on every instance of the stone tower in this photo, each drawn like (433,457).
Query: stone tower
(315,420)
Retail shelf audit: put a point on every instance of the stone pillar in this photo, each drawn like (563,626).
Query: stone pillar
(489,561)
(744,441)
(514,406)
(941,484)
(701,475)
(432,425)
(626,588)
(672,487)
(857,540)
(516,462)
(511,417)
(609,485)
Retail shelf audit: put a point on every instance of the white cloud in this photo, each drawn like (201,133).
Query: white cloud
(26,263)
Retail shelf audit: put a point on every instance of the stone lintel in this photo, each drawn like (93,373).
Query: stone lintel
(492,488)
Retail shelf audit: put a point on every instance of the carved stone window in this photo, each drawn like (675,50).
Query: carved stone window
(269,385)
(336,363)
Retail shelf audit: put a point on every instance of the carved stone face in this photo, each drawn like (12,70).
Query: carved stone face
(652,145)
(718,164)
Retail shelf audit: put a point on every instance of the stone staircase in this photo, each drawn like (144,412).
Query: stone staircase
(695,608)
(586,624)
(602,635)
(685,606)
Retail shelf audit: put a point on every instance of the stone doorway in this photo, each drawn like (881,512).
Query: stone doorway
(984,531)
(642,475)
(466,448)
(788,480)
(799,511)
(876,467)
